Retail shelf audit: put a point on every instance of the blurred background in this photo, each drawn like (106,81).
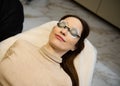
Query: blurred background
(104,24)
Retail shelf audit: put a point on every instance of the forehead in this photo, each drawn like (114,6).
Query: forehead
(73,22)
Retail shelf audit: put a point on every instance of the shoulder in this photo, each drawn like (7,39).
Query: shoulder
(19,47)
(21,42)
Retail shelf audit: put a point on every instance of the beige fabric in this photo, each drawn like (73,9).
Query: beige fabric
(84,63)
(28,65)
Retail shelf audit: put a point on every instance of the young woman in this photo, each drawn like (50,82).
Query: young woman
(51,65)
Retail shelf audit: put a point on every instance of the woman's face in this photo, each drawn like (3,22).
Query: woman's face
(65,34)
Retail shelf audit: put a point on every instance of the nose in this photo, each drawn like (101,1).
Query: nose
(64,31)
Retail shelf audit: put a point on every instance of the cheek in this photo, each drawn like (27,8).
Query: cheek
(52,39)
(71,43)
(52,34)
(54,30)
(74,41)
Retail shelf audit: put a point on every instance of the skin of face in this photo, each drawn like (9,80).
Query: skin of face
(61,40)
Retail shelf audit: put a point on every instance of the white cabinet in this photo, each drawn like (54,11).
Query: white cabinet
(90,4)
(106,9)
(110,11)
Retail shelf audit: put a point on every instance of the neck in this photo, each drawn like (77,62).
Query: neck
(55,50)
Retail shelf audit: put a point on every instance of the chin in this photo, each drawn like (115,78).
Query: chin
(59,46)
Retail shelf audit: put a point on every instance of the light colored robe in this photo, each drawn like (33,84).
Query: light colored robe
(27,65)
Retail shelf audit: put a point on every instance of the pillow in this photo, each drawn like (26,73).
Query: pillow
(37,36)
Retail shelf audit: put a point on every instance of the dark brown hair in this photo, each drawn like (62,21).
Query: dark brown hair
(68,58)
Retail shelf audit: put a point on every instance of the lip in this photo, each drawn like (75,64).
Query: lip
(59,37)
